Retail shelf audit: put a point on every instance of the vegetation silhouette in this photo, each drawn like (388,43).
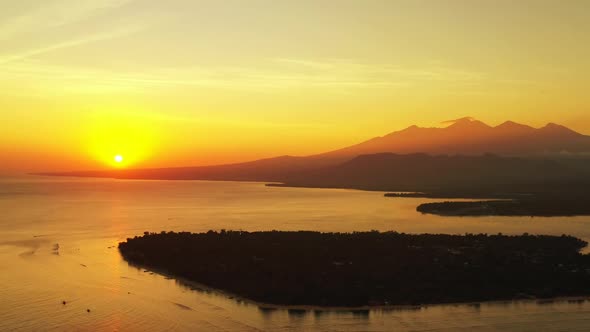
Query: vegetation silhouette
(541,207)
(368,268)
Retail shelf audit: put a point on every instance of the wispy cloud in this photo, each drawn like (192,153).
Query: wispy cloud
(71,43)
(430,71)
(450,122)
(52,14)
(305,63)
(25,63)
(273,75)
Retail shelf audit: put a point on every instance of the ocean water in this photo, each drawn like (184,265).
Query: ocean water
(59,236)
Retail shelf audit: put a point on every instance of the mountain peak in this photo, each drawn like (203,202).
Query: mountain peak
(553,125)
(466,123)
(410,128)
(469,136)
(510,124)
(556,129)
(513,127)
(407,131)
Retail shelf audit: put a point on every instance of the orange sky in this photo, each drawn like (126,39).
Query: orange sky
(203,82)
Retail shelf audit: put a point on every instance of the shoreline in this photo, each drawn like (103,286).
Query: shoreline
(196,286)
(389,193)
(292,276)
(531,207)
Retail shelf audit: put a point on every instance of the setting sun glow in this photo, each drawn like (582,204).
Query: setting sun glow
(163,84)
(113,140)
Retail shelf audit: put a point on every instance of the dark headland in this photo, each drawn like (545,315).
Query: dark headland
(538,207)
(368,268)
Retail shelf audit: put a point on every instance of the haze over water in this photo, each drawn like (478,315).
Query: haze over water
(59,239)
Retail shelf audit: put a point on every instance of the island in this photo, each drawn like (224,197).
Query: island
(367,268)
(407,195)
(540,207)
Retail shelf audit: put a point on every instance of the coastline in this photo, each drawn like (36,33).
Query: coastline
(297,277)
(479,204)
(196,286)
(531,207)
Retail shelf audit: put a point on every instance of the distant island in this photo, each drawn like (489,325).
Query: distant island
(540,207)
(368,268)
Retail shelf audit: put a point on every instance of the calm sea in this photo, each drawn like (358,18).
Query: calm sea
(59,236)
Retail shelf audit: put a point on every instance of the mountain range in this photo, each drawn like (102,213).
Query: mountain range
(466,154)
(470,136)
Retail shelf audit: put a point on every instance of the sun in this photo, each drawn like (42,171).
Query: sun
(118,158)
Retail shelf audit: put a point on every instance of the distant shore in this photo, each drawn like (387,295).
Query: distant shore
(368,269)
(517,204)
(539,207)
(454,195)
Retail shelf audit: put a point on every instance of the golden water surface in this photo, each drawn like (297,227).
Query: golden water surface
(59,236)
